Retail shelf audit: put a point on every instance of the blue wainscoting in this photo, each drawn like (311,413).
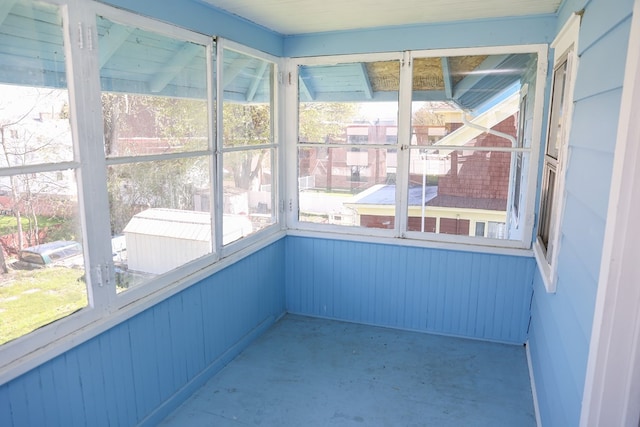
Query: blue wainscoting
(140,370)
(476,295)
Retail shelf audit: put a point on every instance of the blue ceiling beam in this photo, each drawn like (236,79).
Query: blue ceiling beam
(232,70)
(5,9)
(171,69)
(111,41)
(366,82)
(253,88)
(469,82)
(446,77)
(306,93)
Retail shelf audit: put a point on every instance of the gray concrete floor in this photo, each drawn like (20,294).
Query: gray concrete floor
(315,372)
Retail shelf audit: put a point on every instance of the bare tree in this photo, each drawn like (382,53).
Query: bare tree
(20,145)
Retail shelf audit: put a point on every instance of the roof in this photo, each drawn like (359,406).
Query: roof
(131,60)
(172,223)
(186,225)
(384,195)
(52,246)
(472,82)
(138,61)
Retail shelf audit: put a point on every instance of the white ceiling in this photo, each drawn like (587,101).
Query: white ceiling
(290,17)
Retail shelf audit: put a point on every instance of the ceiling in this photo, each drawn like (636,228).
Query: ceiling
(289,17)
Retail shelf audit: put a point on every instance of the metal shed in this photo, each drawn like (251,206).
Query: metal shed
(159,240)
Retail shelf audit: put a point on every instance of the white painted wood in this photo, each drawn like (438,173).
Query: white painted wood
(534,390)
(565,43)
(612,384)
(310,16)
(404,116)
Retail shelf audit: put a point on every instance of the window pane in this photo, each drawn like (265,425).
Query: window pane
(163,210)
(155,104)
(35,126)
(247,108)
(347,186)
(457,192)
(557,107)
(154,92)
(41,258)
(248,200)
(472,102)
(546,209)
(351,110)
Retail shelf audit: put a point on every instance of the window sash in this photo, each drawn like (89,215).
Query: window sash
(403,229)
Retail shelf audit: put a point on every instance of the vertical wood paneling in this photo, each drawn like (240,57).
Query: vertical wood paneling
(163,346)
(61,395)
(145,378)
(50,407)
(5,407)
(72,376)
(118,376)
(458,293)
(121,376)
(89,365)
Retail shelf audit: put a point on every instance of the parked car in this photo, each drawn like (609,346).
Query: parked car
(60,252)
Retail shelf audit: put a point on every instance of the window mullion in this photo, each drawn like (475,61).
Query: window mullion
(218,178)
(404,137)
(212,109)
(86,123)
(290,145)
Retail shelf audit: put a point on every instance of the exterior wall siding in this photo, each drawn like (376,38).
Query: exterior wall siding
(465,294)
(561,323)
(126,375)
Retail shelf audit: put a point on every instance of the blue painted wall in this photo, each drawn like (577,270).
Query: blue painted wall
(440,291)
(488,32)
(561,323)
(121,376)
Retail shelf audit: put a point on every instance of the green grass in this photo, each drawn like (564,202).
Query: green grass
(31,299)
(8,223)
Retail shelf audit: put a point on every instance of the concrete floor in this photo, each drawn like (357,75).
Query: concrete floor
(315,372)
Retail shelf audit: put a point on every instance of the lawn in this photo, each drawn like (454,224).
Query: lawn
(31,299)
(8,223)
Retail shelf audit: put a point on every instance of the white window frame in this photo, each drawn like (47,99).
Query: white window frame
(276,161)
(297,227)
(106,308)
(565,46)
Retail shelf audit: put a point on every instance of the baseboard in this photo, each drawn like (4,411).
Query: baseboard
(532,380)
(180,396)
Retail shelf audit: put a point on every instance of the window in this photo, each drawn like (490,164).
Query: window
(555,153)
(347,143)
(38,177)
(427,145)
(157,148)
(464,143)
(523,119)
(248,144)
(128,176)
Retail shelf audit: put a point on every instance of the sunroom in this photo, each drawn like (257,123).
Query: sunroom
(420,206)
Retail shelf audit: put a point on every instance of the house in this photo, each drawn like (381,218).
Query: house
(565,281)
